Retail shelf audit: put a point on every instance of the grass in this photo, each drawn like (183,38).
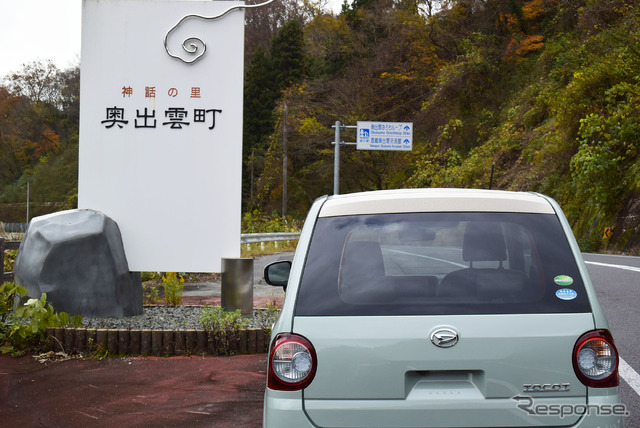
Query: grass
(257,249)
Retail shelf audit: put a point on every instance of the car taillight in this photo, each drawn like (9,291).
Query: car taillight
(292,363)
(595,359)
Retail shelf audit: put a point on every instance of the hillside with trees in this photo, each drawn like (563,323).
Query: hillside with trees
(546,93)
(39,113)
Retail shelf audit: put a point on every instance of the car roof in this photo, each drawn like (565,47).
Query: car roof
(435,200)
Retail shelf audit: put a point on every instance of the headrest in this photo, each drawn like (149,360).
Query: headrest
(483,241)
(362,278)
(364,257)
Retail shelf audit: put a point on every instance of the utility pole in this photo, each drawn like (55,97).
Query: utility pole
(493,167)
(251,190)
(336,160)
(284,163)
(27,202)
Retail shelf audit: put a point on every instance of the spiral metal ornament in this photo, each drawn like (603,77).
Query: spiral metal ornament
(195,46)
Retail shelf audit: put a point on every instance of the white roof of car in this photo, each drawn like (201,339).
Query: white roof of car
(435,200)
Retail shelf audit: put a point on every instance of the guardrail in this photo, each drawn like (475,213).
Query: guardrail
(245,238)
(14,227)
(248,238)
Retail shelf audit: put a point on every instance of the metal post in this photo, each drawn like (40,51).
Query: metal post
(251,190)
(27,202)
(493,167)
(237,285)
(336,161)
(284,163)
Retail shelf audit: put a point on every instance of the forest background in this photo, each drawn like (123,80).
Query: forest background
(546,93)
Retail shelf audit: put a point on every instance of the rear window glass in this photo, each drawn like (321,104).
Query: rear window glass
(440,263)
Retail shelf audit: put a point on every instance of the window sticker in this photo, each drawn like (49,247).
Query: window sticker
(563,280)
(566,294)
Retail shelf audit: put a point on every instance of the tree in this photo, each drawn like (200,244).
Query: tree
(266,78)
(39,110)
(287,55)
(70,103)
(262,24)
(260,95)
(38,81)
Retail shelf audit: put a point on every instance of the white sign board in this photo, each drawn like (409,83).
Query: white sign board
(385,136)
(161,139)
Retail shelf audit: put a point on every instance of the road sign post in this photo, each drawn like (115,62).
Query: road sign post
(336,160)
(389,136)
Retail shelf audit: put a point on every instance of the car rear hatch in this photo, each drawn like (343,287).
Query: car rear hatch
(383,299)
(505,370)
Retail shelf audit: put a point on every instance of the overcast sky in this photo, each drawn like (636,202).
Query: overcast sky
(45,29)
(39,29)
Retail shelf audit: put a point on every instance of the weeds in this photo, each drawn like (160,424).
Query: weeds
(150,294)
(265,318)
(25,327)
(9,259)
(222,326)
(215,319)
(173,288)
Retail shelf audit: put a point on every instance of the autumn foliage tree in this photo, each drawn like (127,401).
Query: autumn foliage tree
(544,93)
(39,108)
(538,91)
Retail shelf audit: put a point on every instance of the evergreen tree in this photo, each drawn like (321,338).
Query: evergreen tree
(287,55)
(266,78)
(260,96)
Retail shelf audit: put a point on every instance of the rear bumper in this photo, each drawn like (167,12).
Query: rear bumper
(283,409)
(603,412)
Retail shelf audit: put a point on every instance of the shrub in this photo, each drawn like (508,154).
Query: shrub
(173,288)
(265,318)
(216,319)
(9,294)
(259,222)
(9,259)
(149,294)
(25,328)
(222,326)
(150,276)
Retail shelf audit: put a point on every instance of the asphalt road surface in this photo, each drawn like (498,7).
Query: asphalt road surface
(617,283)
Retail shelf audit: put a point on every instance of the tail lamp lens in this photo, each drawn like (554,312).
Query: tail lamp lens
(596,359)
(292,363)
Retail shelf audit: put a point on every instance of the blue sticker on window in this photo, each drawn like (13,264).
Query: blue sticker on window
(566,294)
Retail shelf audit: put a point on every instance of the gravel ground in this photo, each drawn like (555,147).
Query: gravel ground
(167,318)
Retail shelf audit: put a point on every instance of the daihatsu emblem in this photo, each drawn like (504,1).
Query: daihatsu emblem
(444,338)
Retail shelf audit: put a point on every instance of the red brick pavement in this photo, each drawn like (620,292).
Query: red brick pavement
(133,392)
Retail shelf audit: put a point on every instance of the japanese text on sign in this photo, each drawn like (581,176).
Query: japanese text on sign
(173,117)
(385,136)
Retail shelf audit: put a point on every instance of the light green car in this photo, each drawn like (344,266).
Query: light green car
(439,308)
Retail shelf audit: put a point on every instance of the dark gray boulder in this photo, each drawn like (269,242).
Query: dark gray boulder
(78,259)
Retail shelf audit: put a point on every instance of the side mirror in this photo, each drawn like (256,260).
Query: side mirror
(277,273)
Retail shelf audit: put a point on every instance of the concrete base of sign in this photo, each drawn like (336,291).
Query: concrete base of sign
(237,285)
(78,259)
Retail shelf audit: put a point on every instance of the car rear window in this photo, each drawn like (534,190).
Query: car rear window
(440,263)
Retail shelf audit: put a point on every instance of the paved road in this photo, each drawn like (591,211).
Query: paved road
(209,391)
(617,283)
